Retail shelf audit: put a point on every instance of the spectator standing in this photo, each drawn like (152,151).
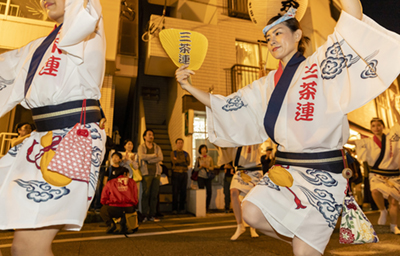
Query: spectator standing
(119,196)
(204,165)
(129,158)
(150,157)
(180,162)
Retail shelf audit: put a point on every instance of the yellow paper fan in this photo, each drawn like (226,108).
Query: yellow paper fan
(184,47)
(261,11)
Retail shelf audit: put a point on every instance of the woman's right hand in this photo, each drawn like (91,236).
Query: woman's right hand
(182,75)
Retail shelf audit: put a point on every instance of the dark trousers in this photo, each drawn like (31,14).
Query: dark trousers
(179,184)
(227,192)
(151,186)
(108,212)
(205,183)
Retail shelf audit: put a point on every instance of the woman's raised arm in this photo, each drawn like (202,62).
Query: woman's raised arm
(182,75)
(352,7)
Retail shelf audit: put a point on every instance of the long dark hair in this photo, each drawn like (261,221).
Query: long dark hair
(293,25)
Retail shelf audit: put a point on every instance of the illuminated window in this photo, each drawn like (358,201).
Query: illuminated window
(200,137)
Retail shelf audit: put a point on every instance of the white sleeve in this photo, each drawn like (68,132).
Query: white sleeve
(358,61)
(81,19)
(362,149)
(12,77)
(237,120)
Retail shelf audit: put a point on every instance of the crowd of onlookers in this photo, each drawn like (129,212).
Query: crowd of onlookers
(130,181)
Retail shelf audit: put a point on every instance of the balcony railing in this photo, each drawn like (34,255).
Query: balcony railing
(242,75)
(238,9)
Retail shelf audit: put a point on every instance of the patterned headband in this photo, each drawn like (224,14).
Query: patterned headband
(291,13)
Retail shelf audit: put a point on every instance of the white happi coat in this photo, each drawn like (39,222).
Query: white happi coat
(388,183)
(369,151)
(71,69)
(354,66)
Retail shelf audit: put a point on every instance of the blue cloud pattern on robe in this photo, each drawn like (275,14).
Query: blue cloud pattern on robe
(336,61)
(4,83)
(14,150)
(325,203)
(370,70)
(318,178)
(265,181)
(93,178)
(234,104)
(40,191)
(96,156)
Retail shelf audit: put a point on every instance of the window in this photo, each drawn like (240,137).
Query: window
(335,9)
(200,136)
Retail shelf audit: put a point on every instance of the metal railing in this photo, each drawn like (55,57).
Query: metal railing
(5,142)
(242,75)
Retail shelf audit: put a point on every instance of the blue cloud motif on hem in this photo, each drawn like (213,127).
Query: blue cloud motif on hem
(319,177)
(336,61)
(93,179)
(370,70)
(234,104)
(14,150)
(325,203)
(4,83)
(40,191)
(96,156)
(266,181)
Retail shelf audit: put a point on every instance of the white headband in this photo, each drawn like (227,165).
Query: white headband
(291,13)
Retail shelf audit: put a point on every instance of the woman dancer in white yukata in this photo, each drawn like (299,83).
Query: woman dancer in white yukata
(382,153)
(54,76)
(301,197)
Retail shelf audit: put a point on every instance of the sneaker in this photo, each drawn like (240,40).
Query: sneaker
(154,219)
(145,219)
(111,228)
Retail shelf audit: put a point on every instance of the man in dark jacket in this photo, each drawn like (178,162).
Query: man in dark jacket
(119,196)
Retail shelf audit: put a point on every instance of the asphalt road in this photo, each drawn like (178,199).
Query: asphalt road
(187,235)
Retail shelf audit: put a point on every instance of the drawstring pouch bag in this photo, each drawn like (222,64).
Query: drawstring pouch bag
(73,154)
(355,227)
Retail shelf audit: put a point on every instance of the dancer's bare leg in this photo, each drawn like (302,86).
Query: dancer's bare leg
(237,210)
(256,219)
(380,202)
(301,248)
(393,209)
(34,242)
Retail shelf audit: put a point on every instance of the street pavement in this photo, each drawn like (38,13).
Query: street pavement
(188,235)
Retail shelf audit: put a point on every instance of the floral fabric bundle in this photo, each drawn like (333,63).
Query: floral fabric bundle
(355,227)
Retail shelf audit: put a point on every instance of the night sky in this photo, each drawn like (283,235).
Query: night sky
(384,12)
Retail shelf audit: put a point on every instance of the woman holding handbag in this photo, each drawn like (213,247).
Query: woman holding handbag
(205,167)
(53,75)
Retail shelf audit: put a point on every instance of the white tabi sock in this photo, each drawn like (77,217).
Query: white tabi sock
(382,217)
(239,230)
(253,232)
(394,229)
